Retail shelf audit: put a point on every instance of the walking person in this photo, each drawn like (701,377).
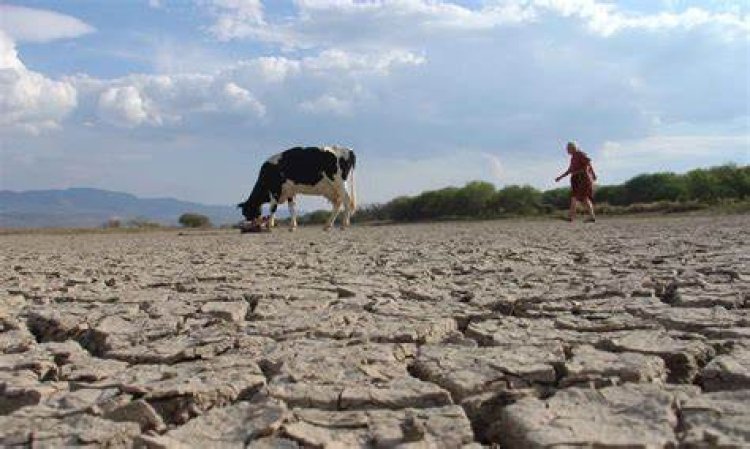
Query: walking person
(582,179)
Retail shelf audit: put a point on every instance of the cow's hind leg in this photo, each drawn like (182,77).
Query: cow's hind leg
(334,214)
(293,214)
(347,208)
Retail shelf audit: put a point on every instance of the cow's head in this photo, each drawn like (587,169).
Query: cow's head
(250,210)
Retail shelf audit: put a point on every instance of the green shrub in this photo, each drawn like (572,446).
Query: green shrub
(648,193)
(193,220)
(315,217)
(142,223)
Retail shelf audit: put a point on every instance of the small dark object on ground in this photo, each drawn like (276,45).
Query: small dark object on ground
(254,227)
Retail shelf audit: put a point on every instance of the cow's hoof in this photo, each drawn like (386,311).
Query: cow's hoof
(327,228)
(293,229)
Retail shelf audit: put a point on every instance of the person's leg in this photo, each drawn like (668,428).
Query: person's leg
(572,211)
(590,206)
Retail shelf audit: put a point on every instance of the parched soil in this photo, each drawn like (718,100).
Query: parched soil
(514,334)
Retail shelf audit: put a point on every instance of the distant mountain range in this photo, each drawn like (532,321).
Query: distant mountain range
(85,207)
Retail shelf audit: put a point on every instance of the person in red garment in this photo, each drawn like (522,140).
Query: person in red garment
(582,179)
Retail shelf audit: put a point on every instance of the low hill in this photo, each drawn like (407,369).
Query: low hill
(86,207)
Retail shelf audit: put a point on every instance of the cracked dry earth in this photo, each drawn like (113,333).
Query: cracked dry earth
(627,333)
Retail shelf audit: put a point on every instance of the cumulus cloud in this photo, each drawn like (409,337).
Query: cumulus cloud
(267,69)
(350,22)
(320,23)
(327,104)
(607,19)
(423,14)
(126,107)
(30,101)
(236,18)
(8,53)
(240,99)
(336,60)
(159,100)
(166,100)
(23,24)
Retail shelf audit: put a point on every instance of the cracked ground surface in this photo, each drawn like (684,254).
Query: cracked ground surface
(626,333)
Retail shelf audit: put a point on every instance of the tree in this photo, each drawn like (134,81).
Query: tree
(732,181)
(193,220)
(480,199)
(474,199)
(112,223)
(557,198)
(141,223)
(518,200)
(314,217)
(613,195)
(655,187)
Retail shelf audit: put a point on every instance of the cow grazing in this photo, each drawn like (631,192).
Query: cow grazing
(308,171)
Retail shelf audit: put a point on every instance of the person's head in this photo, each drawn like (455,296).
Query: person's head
(572,148)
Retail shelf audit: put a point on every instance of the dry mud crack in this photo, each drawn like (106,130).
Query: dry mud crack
(626,333)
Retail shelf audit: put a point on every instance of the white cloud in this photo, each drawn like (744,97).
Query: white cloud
(37,25)
(28,100)
(8,53)
(336,60)
(158,100)
(399,23)
(430,14)
(343,22)
(607,19)
(666,149)
(497,167)
(267,70)
(236,18)
(327,104)
(126,107)
(240,99)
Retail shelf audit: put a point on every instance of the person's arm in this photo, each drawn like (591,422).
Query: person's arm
(567,172)
(593,174)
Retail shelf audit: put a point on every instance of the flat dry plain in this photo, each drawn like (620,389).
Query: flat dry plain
(625,333)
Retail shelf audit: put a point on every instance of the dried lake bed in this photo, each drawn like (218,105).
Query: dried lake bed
(513,334)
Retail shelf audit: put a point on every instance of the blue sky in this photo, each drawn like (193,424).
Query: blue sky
(186,98)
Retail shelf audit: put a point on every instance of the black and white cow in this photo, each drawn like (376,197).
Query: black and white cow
(308,171)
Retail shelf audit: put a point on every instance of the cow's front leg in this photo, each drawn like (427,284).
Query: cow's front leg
(292,214)
(334,214)
(272,215)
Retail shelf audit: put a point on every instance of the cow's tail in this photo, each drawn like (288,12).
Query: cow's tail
(352,192)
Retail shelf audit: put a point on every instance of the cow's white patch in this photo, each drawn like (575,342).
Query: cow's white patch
(274,159)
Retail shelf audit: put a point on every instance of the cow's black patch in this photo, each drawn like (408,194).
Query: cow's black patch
(268,184)
(307,165)
(347,165)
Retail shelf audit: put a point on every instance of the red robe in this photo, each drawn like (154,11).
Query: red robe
(581,173)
